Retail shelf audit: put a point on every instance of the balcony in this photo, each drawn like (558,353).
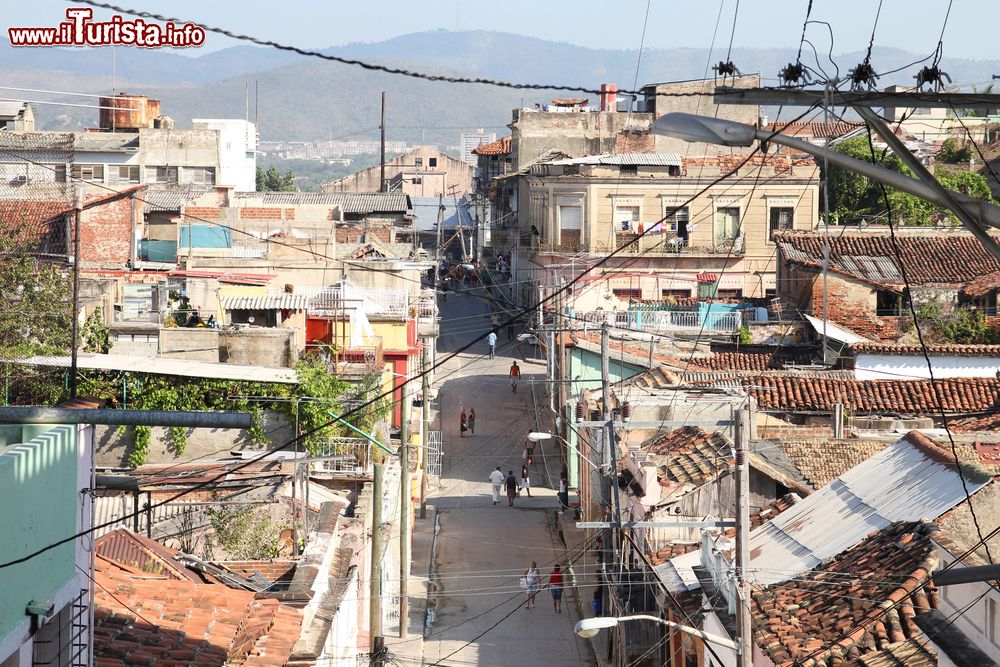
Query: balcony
(339,300)
(427,314)
(670,321)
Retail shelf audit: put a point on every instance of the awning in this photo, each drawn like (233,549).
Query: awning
(267,302)
(167,366)
(835,332)
(708,277)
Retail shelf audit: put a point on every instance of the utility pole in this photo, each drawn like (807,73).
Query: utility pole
(382,186)
(75,325)
(404,510)
(437,246)
(610,455)
(375,576)
(745,652)
(425,440)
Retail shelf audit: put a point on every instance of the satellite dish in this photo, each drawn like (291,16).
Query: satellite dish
(250,319)
(535,436)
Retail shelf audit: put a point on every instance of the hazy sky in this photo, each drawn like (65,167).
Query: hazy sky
(913,25)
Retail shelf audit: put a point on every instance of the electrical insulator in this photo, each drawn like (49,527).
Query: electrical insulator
(626,411)
(579,412)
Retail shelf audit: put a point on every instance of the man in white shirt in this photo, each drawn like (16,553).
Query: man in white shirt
(492,341)
(496,478)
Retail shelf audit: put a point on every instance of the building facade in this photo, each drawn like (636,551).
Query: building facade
(422,172)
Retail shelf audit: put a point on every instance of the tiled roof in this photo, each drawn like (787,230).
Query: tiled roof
(499,147)
(689,455)
(131,550)
(169,200)
(893,397)
(739,361)
(909,653)
(932,349)
(823,129)
(821,462)
(959,535)
(841,609)
(145,619)
(952,259)
(635,159)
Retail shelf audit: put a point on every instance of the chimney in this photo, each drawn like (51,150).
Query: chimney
(609,97)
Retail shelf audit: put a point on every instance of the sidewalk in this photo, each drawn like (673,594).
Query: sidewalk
(582,577)
(411,648)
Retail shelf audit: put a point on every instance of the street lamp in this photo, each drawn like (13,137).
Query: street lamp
(589,627)
(728,133)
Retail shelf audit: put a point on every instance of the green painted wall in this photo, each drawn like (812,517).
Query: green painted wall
(39,503)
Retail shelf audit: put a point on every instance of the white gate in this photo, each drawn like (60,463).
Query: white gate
(435,453)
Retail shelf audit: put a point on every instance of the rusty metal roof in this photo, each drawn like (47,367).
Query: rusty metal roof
(266,302)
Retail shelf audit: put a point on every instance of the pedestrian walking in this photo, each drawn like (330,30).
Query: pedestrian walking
(497,480)
(525,481)
(472,421)
(530,583)
(511,484)
(563,493)
(556,588)
(491,340)
(529,450)
(515,375)
(463,424)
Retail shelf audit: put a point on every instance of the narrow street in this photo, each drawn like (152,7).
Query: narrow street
(482,549)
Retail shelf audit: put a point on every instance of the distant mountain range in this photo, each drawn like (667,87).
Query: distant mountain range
(304,98)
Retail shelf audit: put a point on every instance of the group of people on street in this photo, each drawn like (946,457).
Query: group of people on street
(531,583)
(467,422)
(508,483)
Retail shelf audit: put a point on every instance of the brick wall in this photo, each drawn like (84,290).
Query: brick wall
(636,142)
(257,213)
(203,211)
(106,234)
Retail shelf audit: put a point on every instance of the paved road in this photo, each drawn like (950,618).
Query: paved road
(483,549)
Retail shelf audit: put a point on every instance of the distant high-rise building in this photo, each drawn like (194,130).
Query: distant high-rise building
(471,141)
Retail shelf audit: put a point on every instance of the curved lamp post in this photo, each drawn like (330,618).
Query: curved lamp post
(589,627)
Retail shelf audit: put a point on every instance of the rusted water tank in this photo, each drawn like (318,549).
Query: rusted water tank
(128,112)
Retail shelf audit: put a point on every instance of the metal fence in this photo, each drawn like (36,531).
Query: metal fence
(666,320)
(435,453)
(345,455)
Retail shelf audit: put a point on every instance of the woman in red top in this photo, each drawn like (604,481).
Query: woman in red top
(556,588)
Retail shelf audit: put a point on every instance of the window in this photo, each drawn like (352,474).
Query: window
(570,217)
(889,303)
(88,172)
(727,223)
(432,162)
(627,293)
(161,174)
(729,294)
(60,173)
(125,173)
(418,161)
(781,217)
(200,175)
(626,218)
(677,221)
(675,293)
(629,170)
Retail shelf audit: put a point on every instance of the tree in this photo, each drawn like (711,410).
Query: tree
(962,326)
(853,196)
(272,181)
(953,153)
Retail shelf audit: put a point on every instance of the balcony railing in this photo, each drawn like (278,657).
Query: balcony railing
(667,320)
(336,300)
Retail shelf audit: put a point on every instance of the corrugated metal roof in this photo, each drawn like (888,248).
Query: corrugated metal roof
(169,200)
(637,159)
(266,302)
(900,483)
(350,202)
(162,366)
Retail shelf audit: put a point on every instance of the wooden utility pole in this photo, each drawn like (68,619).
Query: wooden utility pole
(404,509)
(75,324)
(426,427)
(382,187)
(375,576)
(437,245)
(745,652)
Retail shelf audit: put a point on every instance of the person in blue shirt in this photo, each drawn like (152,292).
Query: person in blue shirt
(492,341)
